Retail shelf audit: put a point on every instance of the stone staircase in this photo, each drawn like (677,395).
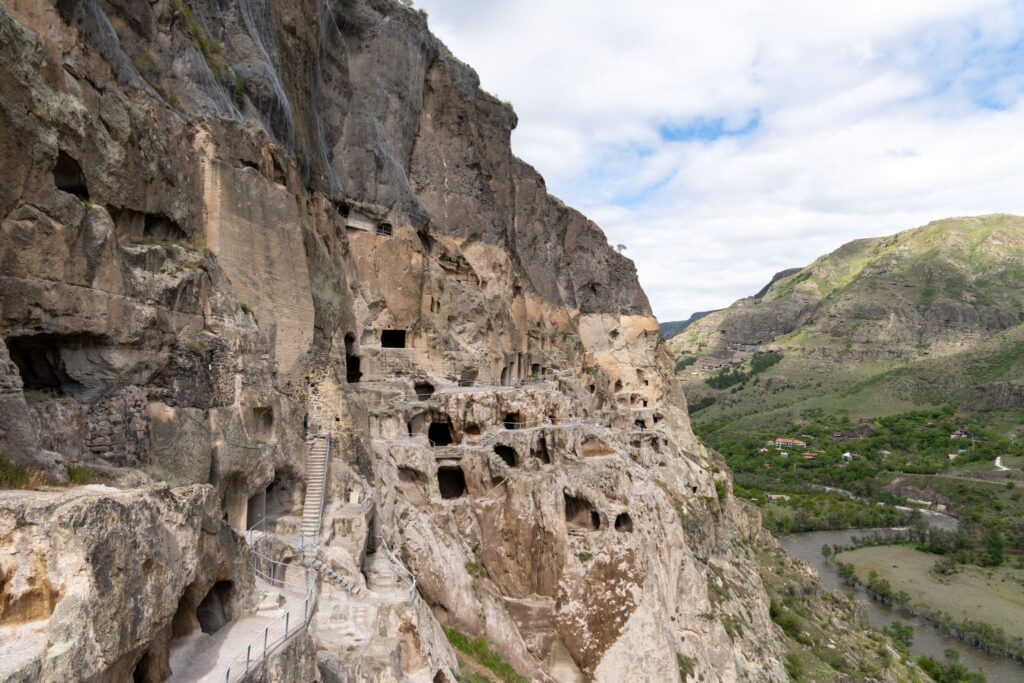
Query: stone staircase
(317,461)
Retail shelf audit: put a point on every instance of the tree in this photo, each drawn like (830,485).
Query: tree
(901,634)
(827,551)
(994,548)
(620,248)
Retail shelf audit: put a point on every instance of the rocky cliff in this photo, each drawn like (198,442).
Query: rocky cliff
(273,280)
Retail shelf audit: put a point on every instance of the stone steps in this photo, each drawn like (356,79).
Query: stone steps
(316,476)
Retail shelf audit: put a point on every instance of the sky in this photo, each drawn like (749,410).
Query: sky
(722,142)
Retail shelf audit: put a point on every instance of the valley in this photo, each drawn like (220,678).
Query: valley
(881,383)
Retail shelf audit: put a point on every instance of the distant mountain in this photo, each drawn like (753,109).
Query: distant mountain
(671,329)
(927,317)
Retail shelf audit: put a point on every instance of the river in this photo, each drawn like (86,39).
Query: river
(928,640)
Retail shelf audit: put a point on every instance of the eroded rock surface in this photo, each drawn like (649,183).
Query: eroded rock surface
(230,232)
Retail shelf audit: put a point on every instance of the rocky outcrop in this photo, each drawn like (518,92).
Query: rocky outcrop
(225,230)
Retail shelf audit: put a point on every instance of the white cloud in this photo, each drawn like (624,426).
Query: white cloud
(871,117)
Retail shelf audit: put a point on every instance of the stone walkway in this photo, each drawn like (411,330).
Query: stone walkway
(204,657)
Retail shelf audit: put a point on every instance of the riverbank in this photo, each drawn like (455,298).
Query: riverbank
(928,640)
(983,607)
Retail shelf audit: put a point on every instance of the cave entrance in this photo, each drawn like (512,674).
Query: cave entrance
(507,454)
(468,377)
(68,176)
(149,669)
(451,482)
(623,522)
(263,423)
(514,421)
(504,376)
(440,434)
(213,611)
(580,514)
(41,360)
(541,452)
(256,509)
(352,372)
(392,339)
(535,370)
(424,390)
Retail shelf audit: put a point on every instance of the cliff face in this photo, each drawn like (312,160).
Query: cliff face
(232,231)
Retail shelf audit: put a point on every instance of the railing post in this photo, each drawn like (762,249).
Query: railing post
(265,641)
(247,649)
(286,615)
(227,675)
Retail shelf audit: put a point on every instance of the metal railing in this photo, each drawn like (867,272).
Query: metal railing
(278,632)
(399,568)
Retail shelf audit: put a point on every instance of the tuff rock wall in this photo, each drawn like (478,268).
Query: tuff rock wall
(228,226)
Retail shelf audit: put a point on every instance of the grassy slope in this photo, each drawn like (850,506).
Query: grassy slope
(887,325)
(995,596)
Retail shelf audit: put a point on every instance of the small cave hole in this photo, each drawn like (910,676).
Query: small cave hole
(343,209)
(279,175)
(440,434)
(513,421)
(656,445)
(580,514)
(623,522)
(535,370)
(68,176)
(640,424)
(451,482)
(473,429)
(392,339)
(507,454)
(213,612)
(408,475)
(618,385)
(424,390)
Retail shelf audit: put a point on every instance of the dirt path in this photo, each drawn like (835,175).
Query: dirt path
(1000,466)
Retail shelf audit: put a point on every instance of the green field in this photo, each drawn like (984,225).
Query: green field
(994,596)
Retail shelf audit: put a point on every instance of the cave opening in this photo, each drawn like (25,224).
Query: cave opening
(384,229)
(263,423)
(618,385)
(507,454)
(41,360)
(504,376)
(440,434)
(451,482)
(392,339)
(68,176)
(213,612)
(424,390)
(623,522)
(148,669)
(535,370)
(352,372)
(580,514)
(467,377)
(640,424)
(541,452)
(473,429)
(513,421)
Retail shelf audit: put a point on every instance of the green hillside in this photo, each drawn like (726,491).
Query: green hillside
(927,318)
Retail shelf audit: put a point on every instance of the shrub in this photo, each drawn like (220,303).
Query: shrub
(477,649)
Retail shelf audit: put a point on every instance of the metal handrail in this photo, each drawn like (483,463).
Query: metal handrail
(274,635)
(397,564)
